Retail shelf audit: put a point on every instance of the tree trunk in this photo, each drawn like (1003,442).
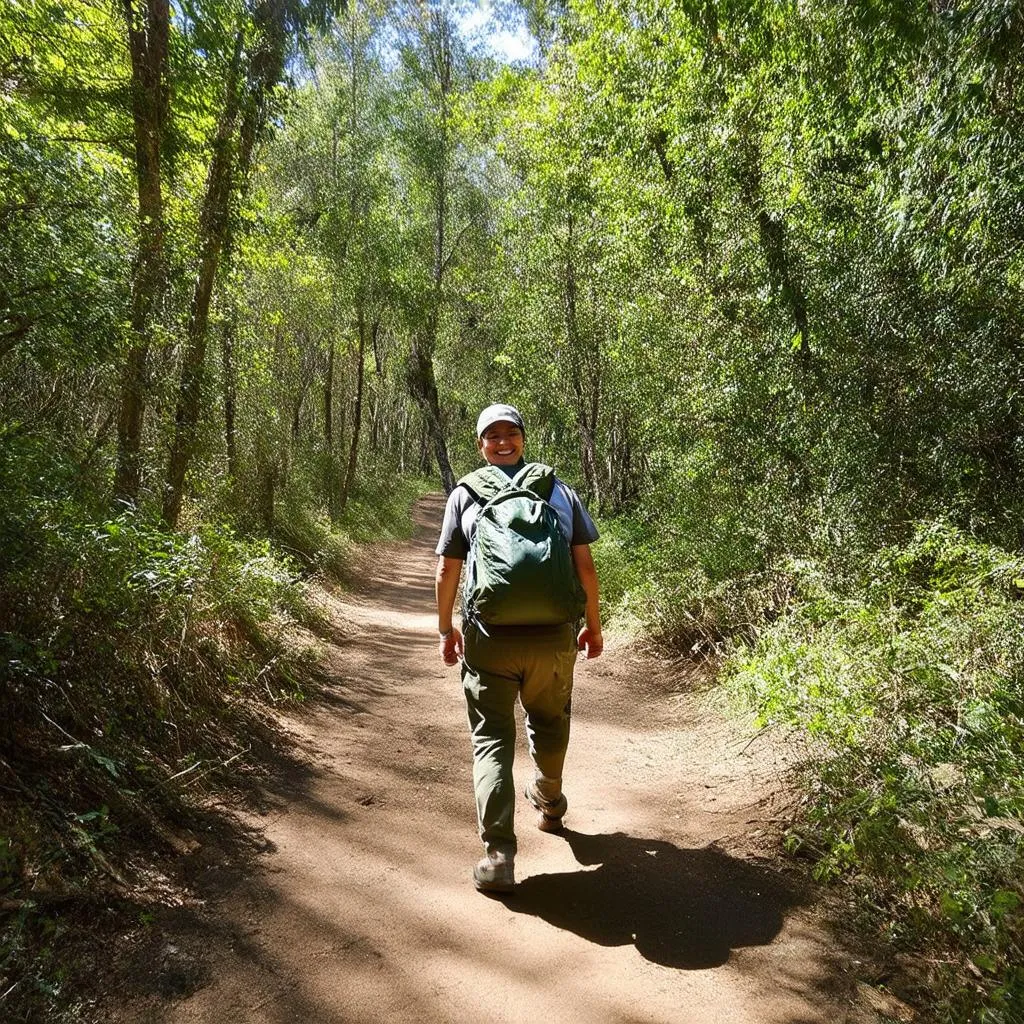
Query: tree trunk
(377,397)
(147,43)
(329,399)
(213,229)
(329,467)
(772,236)
(357,412)
(228,370)
(586,406)
(423,383)
(244,111)
(378,349)
(304,360)
(267,472)
(423,386)
(343,424)
(421,379)
(403,440)
(375,423)
(424,461)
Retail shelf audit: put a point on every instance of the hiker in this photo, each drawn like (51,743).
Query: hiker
(523,599)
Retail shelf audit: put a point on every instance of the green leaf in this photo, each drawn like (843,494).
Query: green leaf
(951,907)
(1004,901)
(985,962)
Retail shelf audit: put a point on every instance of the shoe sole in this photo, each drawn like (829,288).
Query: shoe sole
(498,887)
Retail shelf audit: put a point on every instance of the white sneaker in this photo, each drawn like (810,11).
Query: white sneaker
(496,872)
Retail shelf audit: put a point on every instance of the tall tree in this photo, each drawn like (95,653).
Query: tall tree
(261,49)
(434,60)
(148,27)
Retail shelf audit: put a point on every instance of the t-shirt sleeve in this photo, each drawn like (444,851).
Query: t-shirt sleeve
(583,529)
(452,542)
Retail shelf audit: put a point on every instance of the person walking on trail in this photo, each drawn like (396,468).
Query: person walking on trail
(530,578)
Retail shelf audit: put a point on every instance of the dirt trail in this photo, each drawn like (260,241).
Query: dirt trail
(653,906)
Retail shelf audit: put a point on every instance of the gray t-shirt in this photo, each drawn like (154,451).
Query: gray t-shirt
(461,511)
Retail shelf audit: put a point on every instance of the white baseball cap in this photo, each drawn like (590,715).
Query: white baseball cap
(497,414)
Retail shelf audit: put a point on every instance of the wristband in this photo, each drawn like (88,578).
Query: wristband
(445,635)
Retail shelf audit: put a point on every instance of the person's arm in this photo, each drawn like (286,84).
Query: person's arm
(446,589)
(590,638)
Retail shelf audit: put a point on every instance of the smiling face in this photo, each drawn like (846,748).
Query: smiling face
(501,444)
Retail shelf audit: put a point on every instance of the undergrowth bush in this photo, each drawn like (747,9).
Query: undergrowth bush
(680,603)
(377,510)
(911,694)
(136,669)
(133,667)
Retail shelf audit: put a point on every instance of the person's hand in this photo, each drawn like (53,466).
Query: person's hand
(591,641)
(451,647)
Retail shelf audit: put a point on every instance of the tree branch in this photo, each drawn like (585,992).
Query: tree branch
(455,245)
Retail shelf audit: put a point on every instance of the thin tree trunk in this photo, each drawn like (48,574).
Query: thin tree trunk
(586,424)
(772,236)
(403,440)
(328,463)
(375,423)
(343,424)
(229,170)
(305,377)
(147,43)
(421,379)
(784,278)
(424,389)
(228,369)
(378,350)
(357,414)
(329,399)
(267,473)
(424,460)
(377,397)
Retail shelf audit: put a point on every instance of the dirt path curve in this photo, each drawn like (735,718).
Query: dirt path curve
(654,906)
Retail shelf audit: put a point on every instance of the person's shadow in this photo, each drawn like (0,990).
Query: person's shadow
(681,908)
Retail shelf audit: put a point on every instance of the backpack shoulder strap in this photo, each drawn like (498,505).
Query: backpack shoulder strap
(485,483)
(536,478)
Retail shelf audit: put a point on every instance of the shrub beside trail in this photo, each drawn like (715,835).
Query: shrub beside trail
(910,694)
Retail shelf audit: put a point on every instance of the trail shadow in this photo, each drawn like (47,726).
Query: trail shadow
(681,908)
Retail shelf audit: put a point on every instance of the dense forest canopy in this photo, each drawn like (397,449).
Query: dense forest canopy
(753,271)
(728,256)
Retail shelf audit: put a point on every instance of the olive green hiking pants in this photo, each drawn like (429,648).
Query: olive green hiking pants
(534,664)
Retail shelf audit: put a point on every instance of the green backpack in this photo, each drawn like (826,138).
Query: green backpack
(520,570)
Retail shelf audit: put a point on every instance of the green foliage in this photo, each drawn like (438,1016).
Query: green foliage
(134,619)
(127,649)
(377,512)
(911,695)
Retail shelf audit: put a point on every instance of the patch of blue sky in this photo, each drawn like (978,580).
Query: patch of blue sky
(502,35)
